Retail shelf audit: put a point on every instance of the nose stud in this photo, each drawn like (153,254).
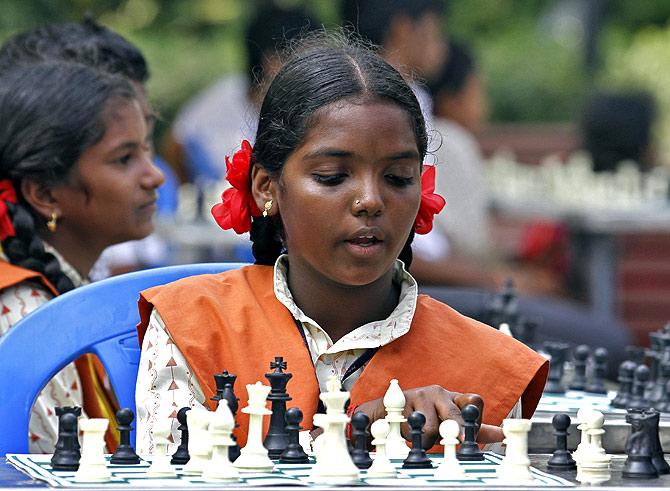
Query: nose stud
(358,202)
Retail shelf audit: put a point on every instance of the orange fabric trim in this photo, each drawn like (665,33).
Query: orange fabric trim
(98,402)
(246,326)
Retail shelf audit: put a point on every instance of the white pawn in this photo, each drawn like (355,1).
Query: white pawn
(254,456)
(584,416)
(220,468)
(515,466)
(199,445)
(160,465)
(593,466)
(93,465)
(381,466)
(394,402)
(449,468)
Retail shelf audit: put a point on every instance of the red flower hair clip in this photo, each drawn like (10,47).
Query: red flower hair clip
(431,203)
(7,194)
(237,204)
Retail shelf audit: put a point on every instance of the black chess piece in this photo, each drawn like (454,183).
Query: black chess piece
(220,380)
(469,450)
(558,353)
(76,410)
(293,453)
(580,357)
(125,453)
(597,384)
(635,354)
(657,454)
(276,439)
(359,437)
(181,455)
(417,458)
(233,403)
(66,455)
(639,447)
(640,378)
(528,329)
(625,379)
(561,459)
(658,390)
(504,308)
(664,404)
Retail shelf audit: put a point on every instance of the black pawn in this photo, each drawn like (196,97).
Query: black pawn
(294,453)
(181,455)
(597,384)
(580,357)
(125,453)
(561,460)
(640,379)
(359,437)
(276,439)
(469,450)
(233,403)
(625,379)
(76,410)
(417,458)
(66,456)
(558,352)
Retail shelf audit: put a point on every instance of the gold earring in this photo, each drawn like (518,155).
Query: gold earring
(52,224)
(267,206)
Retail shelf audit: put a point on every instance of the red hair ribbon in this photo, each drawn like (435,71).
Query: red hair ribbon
(431,203)
(7,194)
(237,204)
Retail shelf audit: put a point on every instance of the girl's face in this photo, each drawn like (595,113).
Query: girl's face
(349,194)
(110,196)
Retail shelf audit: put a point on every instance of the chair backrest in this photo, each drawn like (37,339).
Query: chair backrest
(99,318)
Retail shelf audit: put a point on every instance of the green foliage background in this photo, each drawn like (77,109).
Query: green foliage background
(533,71)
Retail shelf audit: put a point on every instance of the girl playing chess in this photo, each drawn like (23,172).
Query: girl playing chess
(75,177)
(332,193)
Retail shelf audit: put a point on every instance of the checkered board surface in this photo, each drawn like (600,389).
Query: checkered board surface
(572,400)
(478,474)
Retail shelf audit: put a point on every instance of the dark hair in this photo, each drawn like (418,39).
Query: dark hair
(88,43)
(323,70)
(271,31)
(455,72)
(371,19)
(50,112)
(616,127)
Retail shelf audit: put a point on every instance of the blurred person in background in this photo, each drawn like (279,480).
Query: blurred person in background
(409,34)
(211,125)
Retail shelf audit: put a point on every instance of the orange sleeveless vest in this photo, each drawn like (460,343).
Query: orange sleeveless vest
(98,402)
(233,321)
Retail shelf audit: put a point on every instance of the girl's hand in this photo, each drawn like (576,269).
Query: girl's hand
(437,404)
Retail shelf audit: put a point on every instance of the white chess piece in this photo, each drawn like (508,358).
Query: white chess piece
(381,465)
(449,468)
(333,462)
(93,465)
(221,426)
(583,417)
(505,329)
(394,402)
(593,466)
(254,456)
(160,464)
(515,466)
(199,444)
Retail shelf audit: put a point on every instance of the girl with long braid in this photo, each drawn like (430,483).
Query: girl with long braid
(332,193)
(75,177)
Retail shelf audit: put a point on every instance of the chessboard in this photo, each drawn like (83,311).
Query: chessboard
(481,473)
(572,400)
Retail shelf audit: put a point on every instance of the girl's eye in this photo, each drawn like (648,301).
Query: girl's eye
(124,159)
(329,179)
(400,181)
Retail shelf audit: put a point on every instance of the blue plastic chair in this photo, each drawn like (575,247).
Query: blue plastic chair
(99,318)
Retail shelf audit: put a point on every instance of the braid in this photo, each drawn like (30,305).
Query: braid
(406,253)
(266,243)
(26,249)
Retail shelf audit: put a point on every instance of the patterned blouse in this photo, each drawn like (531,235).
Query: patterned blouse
(166,383)
(64,388)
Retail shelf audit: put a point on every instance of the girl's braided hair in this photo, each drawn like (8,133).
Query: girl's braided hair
(322,69)
(50,112)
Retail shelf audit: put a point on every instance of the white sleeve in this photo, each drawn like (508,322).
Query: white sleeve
(165,384)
